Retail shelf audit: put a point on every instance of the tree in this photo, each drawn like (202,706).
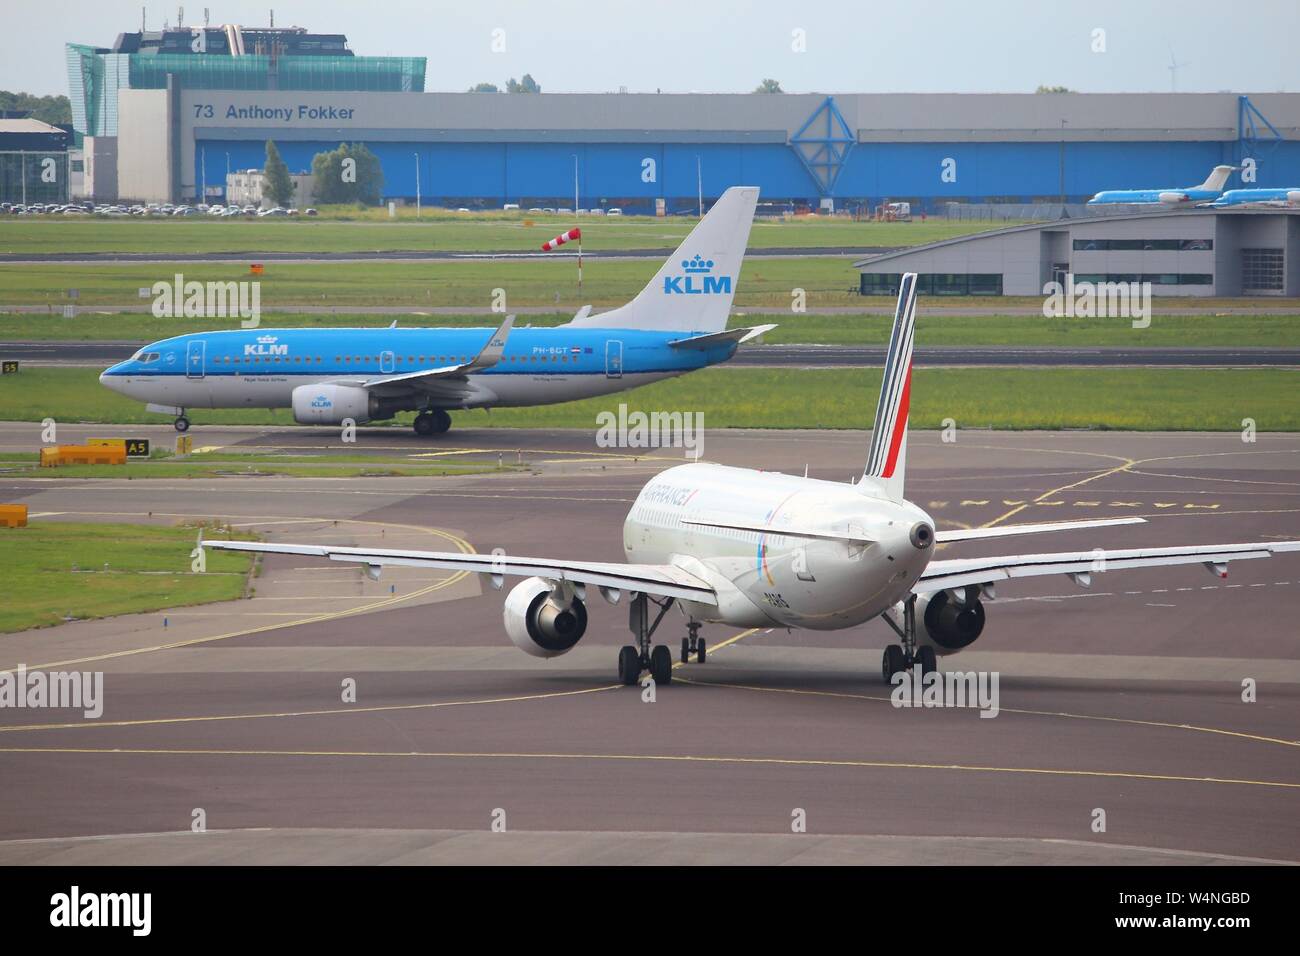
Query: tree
(47,109)
(525,84)
(484,88)
(769,86)
(334,180)
(276,184)
(1053,89)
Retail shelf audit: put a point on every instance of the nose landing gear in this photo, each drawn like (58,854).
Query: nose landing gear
(694,644)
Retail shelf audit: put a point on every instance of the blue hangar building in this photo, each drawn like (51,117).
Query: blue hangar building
(178,120)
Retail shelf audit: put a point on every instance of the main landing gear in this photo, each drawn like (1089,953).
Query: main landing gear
(898,659)
(182,424)
(658,659)
(433,422)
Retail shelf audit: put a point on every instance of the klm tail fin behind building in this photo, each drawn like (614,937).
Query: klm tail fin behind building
(694,289)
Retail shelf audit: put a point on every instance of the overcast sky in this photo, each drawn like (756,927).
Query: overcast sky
(730,45)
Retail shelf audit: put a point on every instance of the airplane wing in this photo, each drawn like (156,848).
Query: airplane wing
(431,378)
(1081,565)
(738,336)
(663,580)
(1008,530)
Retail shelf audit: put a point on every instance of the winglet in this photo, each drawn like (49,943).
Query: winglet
(495,348)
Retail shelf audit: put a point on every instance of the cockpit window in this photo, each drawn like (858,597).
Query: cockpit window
(146,357)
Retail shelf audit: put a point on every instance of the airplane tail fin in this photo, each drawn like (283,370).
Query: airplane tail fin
(1217,179)
(694,289)
(887,458)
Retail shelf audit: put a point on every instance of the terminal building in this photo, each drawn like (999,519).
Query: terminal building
(1188,252)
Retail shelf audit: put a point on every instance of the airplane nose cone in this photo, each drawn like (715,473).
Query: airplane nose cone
(111,377)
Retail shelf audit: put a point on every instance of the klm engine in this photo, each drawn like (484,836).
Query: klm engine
(540,621)
(331,404)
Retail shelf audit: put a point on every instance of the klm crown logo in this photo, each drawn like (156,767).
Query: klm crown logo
(697,280)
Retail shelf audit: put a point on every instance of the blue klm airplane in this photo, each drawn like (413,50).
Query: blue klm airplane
(1259,197)
(678,323)
(1208,190)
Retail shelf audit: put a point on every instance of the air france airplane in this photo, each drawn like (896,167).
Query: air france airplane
(677,324)
(1210,189)
(750,548)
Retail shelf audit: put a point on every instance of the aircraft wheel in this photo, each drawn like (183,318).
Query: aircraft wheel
(629,665)
(926,660)
(686,649)
(892,663)
(441,421)
(182,423)
(661,664)
(699,651)
(423,424)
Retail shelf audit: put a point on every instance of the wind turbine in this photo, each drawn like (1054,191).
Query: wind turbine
(1174,67)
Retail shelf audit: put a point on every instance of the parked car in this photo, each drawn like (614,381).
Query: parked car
(614,211)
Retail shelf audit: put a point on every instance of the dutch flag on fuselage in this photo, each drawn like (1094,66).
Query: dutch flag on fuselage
(887,458)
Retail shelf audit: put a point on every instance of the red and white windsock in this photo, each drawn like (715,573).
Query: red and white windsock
(561,239)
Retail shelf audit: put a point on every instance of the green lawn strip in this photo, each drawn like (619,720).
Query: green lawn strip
(1016,398)
(353,286)
(370,231)
(121,569)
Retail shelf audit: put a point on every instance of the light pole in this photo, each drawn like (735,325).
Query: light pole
(699,183)
(417,185)
(575,184)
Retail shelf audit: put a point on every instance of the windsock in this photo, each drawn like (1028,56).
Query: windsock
(561,239)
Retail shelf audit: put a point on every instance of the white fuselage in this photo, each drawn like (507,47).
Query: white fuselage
(764,577)
(276,391)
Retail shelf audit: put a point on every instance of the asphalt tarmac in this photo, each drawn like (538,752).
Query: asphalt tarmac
(1121,702)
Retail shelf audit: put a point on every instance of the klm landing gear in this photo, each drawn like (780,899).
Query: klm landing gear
(694,644)
(658,659)
(435,422)
(182,424)
(907,656)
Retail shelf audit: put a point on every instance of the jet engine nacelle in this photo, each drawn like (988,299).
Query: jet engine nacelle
(540,622)
(947,625)
(1173,198)
(331,404)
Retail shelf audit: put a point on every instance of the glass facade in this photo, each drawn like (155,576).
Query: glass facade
(384,74)
(936,283)
(1262,271)
(1143,245)
(1155,278)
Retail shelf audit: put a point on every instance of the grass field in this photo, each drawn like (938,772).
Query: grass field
(54,571)
(352,286)
(1151,399)
(217,465)
(933,328)
(437,232)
